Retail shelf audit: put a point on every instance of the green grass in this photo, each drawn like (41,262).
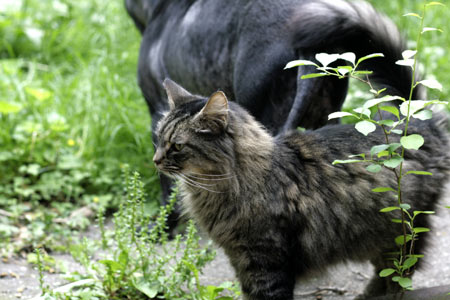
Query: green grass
(71,112)
(434,56)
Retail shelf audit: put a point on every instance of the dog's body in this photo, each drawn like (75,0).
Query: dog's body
(242,47)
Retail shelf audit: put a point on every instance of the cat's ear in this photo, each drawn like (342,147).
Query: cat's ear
(176,94)
(215,111)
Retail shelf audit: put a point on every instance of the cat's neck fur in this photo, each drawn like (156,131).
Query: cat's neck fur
(253,149)
(249,161)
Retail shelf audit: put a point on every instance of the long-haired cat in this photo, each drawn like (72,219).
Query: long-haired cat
(277,205)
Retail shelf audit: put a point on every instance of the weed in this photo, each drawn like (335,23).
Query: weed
(141,263)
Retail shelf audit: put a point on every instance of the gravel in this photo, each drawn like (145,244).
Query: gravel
(18,280)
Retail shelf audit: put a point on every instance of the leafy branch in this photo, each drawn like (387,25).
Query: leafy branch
(391,154)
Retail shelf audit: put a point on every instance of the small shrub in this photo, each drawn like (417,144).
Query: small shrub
(140,262)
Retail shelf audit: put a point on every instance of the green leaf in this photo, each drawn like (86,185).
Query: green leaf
(405,62)
(393,110)
(123,258)
(420,229)
(405,206)
(373,168)
(389,123)
(412,15)
(383,190)
(343,70)
(426,29)
(386,272)
(378,148)
(298,63)
(426,212)
(362,72)
(9,108)
(362,110)
(431,83)
(340,114)
(113,265)
(39,93)
(325,59)
(314,75)
(394,162)
(396,278)
(400,239)
(373,102)
(389,209)
(369,57)
(365,127)
(149,289)
(435,3)
(423,115)
(405,282)
(363,155)
(398,221)
(413,141)
(436,102)
(383,154)
(348,56)
(419,173)
(397,131)
(394,146)
(415,106)
(33,169)
(347,161)
(407,54)
(213,291)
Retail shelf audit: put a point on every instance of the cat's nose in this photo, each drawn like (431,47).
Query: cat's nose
(158,157)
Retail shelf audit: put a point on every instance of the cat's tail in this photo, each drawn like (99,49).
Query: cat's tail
(140,11)
(337,26)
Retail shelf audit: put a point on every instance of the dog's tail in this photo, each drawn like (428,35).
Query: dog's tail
(337,26)
(140,11)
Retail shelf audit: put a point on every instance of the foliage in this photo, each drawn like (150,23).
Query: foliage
(70,112)
(434,58)
(140,262)
(389,155)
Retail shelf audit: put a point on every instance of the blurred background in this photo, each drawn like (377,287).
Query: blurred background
(71,113)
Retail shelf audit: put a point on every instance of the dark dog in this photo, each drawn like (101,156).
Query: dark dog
(242,47)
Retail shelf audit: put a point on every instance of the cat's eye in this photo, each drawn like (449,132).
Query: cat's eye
(178,147)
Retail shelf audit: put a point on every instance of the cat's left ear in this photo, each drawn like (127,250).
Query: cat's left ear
(215,111)
(176,94)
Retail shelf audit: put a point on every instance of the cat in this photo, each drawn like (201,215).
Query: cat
(243,46)
(277,205)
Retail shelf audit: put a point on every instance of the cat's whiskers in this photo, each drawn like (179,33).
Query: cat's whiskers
(211,175)
(195,181)
(190,182)
(208,179)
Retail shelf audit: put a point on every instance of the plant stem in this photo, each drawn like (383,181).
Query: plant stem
(405,133)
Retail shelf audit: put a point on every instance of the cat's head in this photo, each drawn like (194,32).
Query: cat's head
(194,136)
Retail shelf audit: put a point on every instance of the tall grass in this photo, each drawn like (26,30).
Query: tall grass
(71,114)
(75,63)
(434,59)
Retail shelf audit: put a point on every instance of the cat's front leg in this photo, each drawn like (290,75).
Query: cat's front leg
(264,274)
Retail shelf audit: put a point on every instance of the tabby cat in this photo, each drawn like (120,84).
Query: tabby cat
(277,205)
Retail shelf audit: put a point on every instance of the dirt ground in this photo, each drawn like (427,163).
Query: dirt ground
(18,280)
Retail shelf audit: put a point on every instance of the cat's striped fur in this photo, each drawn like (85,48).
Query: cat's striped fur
(277,205)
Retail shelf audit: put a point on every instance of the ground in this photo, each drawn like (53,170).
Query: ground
(18,280)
